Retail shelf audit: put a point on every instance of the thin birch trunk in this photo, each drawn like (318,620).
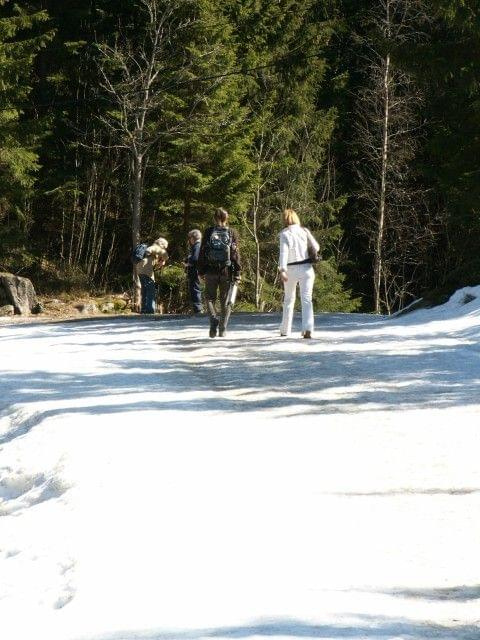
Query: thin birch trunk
(257,251)
(136,220)
(378,266)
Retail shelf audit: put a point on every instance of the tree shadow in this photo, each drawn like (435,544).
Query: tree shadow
(456,594)
(368,627)
(245,372)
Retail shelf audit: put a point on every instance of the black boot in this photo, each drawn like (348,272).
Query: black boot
(213,327)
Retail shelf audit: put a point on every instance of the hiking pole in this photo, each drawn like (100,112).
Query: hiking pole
(232,294)
(230,301)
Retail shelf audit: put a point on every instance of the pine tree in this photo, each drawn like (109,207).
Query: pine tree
(450,161)
(284,45)
(21,38)
(207,165)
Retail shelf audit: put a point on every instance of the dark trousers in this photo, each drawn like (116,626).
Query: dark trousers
(148,294)
(195,292)
(217,282)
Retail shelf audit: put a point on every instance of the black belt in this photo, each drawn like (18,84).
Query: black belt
(307,261)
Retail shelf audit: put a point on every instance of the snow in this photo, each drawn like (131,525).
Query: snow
(157,484)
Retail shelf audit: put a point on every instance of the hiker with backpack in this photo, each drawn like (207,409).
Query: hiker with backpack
(219,265)
(147,260)
(191,268)
(298,251)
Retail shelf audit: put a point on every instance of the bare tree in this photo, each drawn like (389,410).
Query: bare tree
(265,150)
(388,129)
(138,74)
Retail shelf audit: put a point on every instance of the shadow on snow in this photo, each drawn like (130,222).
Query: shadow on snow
(368,627)
(256,373)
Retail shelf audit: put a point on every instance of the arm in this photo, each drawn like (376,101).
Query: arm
(283,257)
(312,240)
(195,253)
(201,266)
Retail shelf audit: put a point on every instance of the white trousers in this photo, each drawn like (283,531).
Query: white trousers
(304,275)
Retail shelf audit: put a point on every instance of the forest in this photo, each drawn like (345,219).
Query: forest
(123,120)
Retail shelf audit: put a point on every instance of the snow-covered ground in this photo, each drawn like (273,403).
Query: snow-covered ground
(157,484)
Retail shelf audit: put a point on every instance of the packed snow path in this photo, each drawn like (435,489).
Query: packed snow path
(157,484)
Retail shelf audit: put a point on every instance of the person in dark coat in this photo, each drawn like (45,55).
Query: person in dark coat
(191,266)
(219,265)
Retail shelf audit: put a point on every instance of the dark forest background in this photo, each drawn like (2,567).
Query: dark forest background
(123,120)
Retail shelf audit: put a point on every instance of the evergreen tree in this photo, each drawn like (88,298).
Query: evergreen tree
(450,161)
(207,165)
(21,37)
(285,44)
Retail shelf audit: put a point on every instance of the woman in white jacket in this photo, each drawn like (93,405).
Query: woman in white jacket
(295,266)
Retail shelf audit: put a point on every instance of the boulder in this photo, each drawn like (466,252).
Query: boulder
(19,293)
(120,304)
(87,308)
(7,310)
(107,307)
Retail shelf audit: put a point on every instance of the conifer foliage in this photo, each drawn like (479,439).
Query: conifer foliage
(21,37)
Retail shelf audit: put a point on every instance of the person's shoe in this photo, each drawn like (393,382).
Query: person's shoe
(307,334)
(284,335)
(213,328)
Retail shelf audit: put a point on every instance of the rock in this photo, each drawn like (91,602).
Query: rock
(107,307)
(18,292)
(120,304)
(54,305)
(87,308)
(7,310)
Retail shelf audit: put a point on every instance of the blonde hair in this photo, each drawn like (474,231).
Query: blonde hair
(162,242)
(289,217)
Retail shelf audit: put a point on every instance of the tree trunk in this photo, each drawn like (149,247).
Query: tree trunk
(378,266)
(258,281)
(136,220)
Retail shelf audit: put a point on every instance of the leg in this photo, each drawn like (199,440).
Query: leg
(195,294)
(147,294)
(306,289)
(211,284)
(290,288)
(150,293)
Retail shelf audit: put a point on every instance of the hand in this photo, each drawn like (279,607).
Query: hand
(283,276)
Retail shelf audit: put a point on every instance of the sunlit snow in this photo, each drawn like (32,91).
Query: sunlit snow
(158,484)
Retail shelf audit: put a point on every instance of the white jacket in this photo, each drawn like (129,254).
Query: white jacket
(293,245)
